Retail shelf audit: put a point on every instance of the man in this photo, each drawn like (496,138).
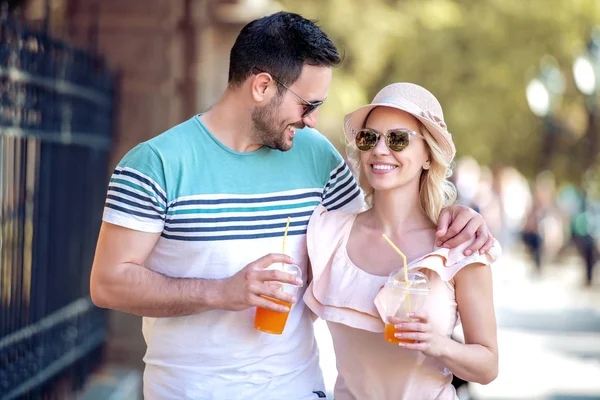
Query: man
(194,216)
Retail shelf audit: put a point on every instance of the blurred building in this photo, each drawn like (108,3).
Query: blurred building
(171,56)
(172,59)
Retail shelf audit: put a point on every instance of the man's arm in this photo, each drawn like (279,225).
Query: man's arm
(120,281)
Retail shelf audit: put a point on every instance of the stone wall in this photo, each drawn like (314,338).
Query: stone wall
(143,43)
(171,58)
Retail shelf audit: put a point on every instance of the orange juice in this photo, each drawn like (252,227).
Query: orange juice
(389,335)
(271,321)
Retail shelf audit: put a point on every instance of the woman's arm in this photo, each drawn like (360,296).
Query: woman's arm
(308,281)
(477,359)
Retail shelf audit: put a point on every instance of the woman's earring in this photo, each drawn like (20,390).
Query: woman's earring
(426,165)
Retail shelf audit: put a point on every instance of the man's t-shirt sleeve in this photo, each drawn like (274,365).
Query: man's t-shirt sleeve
(341,191)
(136,197)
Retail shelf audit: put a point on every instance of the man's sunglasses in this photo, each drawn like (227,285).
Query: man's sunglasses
(310,106)
(396,139)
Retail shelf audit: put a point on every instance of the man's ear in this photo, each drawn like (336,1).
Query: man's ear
(261,87)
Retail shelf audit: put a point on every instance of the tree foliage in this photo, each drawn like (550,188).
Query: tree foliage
(476,56)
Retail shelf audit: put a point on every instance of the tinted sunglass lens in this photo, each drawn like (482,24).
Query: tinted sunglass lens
(398,140)
(366,140)
(308,111)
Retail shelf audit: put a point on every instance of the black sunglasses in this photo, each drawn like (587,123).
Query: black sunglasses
(396,139)
(310,106)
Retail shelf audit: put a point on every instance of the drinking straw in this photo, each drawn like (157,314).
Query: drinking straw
(287,226)
(387,239)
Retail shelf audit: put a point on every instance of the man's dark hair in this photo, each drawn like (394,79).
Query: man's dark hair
(280,44)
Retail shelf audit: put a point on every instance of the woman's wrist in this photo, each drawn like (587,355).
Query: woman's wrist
(443,348)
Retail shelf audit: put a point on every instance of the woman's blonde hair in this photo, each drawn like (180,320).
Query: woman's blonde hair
(435,190)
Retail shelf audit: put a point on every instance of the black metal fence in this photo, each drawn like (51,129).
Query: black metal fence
(55,132)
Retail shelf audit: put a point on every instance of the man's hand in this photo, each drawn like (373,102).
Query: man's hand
(457,224)
(249,287)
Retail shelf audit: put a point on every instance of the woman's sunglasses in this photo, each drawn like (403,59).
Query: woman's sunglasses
(395,139)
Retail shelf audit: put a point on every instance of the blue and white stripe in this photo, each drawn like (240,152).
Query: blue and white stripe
(132,192)
(341,188)
(216,217)
(235,216)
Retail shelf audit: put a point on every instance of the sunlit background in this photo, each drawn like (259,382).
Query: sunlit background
(83,81)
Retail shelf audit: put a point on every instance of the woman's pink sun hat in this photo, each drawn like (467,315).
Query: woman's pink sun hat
(413,99)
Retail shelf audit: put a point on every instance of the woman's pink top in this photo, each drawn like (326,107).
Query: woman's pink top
(343,294)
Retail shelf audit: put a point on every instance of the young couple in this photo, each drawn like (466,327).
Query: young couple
(195,215)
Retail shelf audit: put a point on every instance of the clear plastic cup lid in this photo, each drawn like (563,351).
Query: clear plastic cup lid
(289,268)
(292,269)
(417,280)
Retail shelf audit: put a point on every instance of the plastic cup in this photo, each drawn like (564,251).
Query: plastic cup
(273,322)
(394,300)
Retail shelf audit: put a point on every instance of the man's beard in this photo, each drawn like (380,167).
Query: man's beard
(266,127)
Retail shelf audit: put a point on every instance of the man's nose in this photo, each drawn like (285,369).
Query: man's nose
(311,119)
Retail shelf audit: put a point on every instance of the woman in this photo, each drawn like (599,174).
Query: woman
(403,151)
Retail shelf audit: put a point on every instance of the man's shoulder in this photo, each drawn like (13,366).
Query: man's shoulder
(309,139)
(312,136)
(173,139)
(175,145)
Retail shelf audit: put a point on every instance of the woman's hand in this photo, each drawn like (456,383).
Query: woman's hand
(419,329)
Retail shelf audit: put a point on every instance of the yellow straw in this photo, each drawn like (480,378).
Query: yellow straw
(287,226)
(387,239)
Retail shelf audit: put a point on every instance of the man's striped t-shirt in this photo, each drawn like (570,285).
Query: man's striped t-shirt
(217,210)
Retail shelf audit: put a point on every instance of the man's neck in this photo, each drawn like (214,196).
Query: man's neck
(229,121)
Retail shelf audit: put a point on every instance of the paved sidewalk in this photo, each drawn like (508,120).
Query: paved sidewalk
(548,332)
